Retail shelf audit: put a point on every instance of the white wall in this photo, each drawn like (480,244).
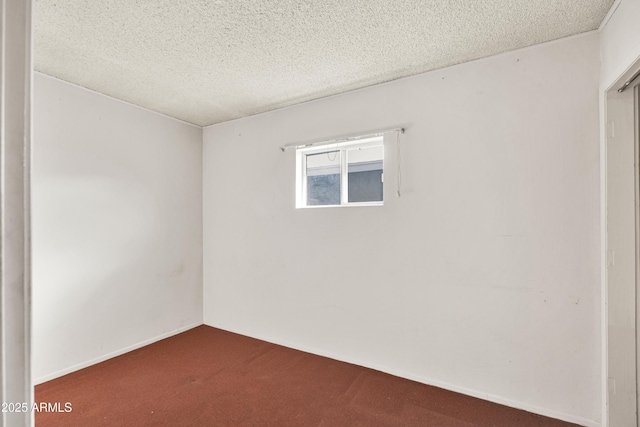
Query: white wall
(620,41)
(482,278)
(117,227)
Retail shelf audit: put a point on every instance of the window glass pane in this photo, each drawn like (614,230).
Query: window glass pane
(365,174)
(323,178)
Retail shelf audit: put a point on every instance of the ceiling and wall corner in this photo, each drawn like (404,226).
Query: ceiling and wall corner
(208,62)
(619,42)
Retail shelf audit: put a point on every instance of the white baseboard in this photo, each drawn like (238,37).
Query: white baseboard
(424,380)
(111,355)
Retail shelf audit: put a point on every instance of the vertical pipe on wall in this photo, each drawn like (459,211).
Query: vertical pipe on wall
(15,166)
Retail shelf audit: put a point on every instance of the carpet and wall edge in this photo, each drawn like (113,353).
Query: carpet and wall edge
(113,354)
(392,371)
(421,379)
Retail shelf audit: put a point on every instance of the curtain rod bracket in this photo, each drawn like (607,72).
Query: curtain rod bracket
(628,82)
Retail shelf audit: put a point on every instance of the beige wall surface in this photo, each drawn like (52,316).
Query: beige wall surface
(117,227)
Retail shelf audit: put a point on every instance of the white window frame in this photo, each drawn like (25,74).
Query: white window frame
(344,148)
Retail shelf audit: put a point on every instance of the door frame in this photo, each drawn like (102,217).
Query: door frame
(620,250)
(636,140)
(15,239)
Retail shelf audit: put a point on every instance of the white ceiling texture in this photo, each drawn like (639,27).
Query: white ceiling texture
(209,61)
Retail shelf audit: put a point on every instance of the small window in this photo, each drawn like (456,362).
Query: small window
(341,174)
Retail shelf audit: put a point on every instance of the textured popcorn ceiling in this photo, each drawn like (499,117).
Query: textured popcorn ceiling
(208,61)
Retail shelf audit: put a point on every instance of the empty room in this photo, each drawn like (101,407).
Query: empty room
(279,213)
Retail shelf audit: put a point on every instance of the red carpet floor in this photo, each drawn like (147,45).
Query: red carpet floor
(209,377)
